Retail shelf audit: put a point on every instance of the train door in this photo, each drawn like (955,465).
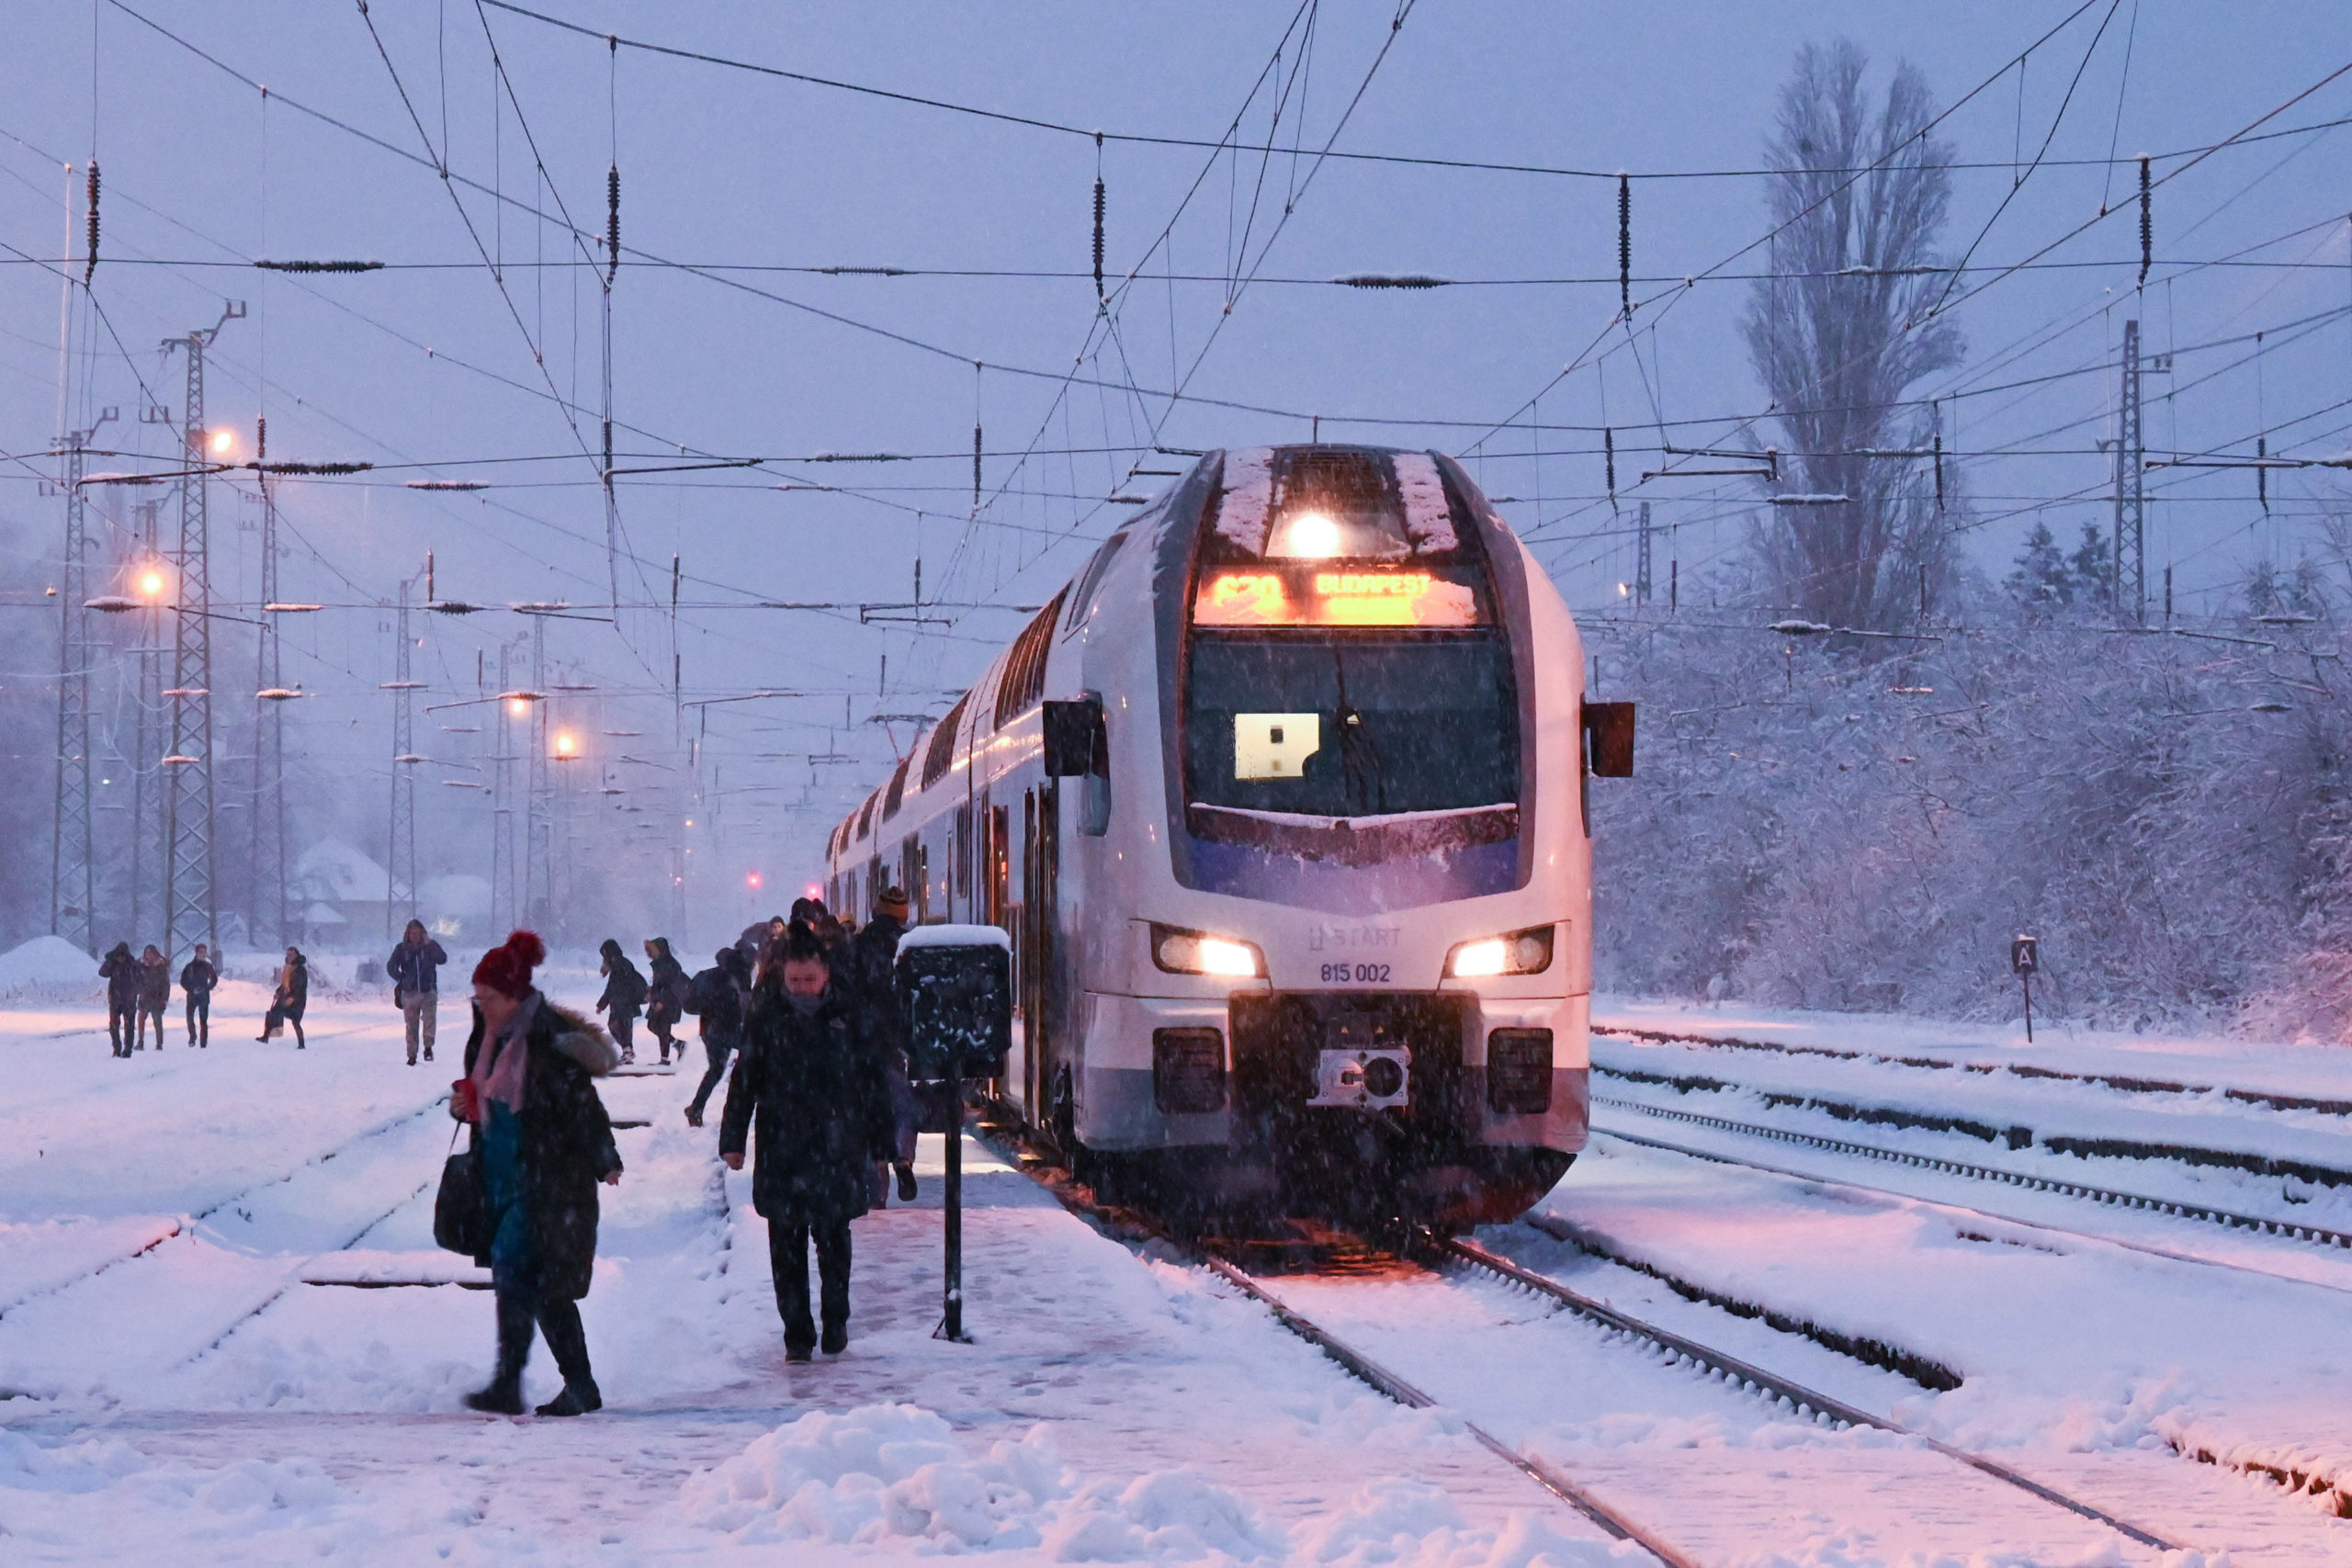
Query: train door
(996,865)
(960,857)
(1041,871)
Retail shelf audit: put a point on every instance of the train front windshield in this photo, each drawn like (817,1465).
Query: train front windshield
(1350,722)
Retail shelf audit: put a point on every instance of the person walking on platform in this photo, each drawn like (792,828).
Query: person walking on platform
(120,972)
(874,962)
(665,996)
(289,998)
(544,1142)
(715,996)
(624,997)
(807,1079)
(755,939)
(414,967)
(154,994)
(198,977)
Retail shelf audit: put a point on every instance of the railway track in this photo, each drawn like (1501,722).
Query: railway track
(235,1202)
(1611,1517)
(2127,1084)
(2291,1230)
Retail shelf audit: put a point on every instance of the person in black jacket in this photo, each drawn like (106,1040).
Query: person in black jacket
(807,1078)
(624,996)
(874,960)
(120,972)
(716,997)
(414,970)
(544,1142)
(291,995)
(198,977)
(665,996)
(154,994)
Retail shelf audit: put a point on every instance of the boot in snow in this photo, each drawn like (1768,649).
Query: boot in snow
(503,1396)
(577,1399)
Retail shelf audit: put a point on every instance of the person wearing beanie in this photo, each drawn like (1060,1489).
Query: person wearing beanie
(543,1141)
(873,959)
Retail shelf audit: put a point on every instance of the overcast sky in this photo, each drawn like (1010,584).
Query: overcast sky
(436,364)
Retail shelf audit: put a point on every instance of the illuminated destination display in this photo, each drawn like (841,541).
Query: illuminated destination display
(1309,596)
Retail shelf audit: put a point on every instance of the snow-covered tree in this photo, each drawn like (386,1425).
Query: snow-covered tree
(1841,334)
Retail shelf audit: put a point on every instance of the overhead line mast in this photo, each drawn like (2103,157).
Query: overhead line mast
(191,901)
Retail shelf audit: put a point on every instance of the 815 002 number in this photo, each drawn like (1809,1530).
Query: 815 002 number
(1360,973)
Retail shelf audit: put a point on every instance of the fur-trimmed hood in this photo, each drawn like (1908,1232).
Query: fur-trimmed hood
(577,1037)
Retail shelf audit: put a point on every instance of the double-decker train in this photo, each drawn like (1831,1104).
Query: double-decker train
(1284,803)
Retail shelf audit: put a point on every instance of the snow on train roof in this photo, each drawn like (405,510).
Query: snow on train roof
(1247,513)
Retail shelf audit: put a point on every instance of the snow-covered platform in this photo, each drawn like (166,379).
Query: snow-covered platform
(275,1377)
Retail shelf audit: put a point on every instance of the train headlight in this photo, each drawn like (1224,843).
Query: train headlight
(1520,952)
(1197,953)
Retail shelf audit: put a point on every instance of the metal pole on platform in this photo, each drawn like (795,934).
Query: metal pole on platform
(951,1327)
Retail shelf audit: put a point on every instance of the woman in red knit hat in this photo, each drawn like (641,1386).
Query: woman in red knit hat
(544,1142)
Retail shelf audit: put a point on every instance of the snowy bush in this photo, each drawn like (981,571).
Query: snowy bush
(1862,824)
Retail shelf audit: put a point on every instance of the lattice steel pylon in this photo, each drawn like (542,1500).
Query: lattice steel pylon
(191,904)
(2131,493)
(73,870)
(1642,560)
(399,859)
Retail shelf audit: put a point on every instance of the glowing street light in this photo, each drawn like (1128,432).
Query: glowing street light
(221,442)
(567,747)
(152,583)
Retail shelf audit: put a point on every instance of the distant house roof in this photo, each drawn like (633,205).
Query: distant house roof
(333,870)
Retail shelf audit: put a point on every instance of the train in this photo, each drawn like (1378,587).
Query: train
(1284,802)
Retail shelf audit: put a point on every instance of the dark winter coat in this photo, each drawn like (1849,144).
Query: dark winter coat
(294,993)
(666,992)
(755,937)
(567,1145)
(416,969)
(154,984)
(198,977)
(120,972)
(712,996)
(874,960)
(813,1089)
(624,987)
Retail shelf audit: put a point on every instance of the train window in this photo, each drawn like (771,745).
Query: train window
(941,754)
(1358,724)
(1022,681)
(898,790)
(1081,603)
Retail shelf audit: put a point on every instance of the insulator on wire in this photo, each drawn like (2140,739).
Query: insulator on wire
(976,464)
(2262,472)
(1608,460)
(612,223)
(1939,471)
(2147,221)
(90,265)
(1099,294)
(261,437)
(1624,248)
